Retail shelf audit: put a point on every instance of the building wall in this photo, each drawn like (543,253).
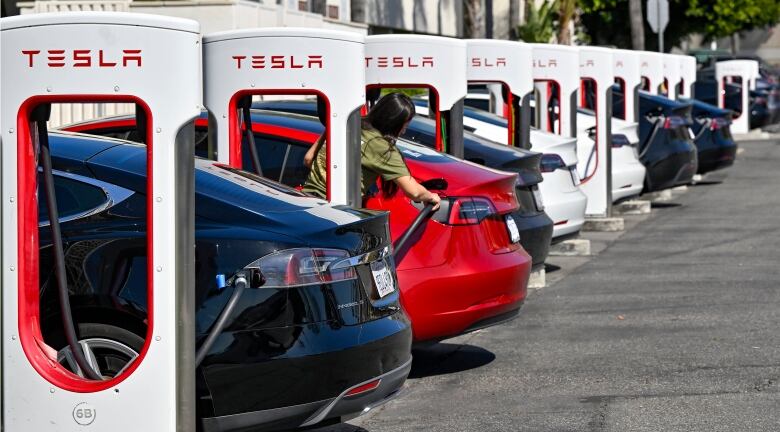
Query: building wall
(438,17)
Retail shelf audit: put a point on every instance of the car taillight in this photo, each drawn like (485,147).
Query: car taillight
(620,140)
(551,162)
(674,122)
(469,210)
(760,100)
(719,123)
(299,267)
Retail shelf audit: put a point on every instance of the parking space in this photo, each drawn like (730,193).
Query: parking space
(673,327)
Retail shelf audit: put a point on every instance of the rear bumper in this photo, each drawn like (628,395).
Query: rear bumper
(627,181)
(447,300)
(675,170)
(716,158)
(564,203)
(535,235)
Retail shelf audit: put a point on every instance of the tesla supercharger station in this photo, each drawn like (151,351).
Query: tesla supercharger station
(101,57)
(672,76)
(290,61)
(626,69)
(491,61)
(652,71)
(556,81)
(729,71)
(687,75)
(596,66)
(432,62)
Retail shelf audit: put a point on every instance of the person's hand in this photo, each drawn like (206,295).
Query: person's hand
(435,199)
(308,159)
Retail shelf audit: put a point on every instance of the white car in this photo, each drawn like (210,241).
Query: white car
(564,202)
(628,174)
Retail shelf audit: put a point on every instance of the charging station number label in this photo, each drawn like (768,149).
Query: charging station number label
(84,414)
(514,233)
(382,277)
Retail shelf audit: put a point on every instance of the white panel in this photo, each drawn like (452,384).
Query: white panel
(652,68)
(627,64)
(558,63)
(287,59)
(418,60)
(597,64)
(168,81)
(745,69)
(687,74)
(672,76)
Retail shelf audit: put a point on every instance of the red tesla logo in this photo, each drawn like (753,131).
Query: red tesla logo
(84,58)
(399,62)
(619,63)
(279,62)
(485,62)
(588,63)
(541,64)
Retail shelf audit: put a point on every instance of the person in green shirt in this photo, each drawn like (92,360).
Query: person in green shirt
(380,159)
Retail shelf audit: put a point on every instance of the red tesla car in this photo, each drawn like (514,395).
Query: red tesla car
(464,268)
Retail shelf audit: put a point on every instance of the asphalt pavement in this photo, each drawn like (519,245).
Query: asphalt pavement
(673,326)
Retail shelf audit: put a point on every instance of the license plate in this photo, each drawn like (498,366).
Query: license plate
(382,278)
(514,233)
(538,199)
(575,177)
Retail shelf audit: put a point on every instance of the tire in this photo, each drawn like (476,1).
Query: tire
(112,347)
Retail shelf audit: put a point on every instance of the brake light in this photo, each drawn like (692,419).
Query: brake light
(719,123)
(363,388)
(674,122)
(300,267)
(551,162)
(469,211)
(620,140)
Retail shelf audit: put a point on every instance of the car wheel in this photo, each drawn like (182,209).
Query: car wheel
(108,349)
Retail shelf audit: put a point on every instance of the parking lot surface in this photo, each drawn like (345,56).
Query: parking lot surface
(673,326)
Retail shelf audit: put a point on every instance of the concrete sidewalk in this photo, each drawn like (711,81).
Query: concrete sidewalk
(673,326)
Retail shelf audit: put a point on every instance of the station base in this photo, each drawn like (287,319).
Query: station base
(633,207)
(604,224)
(680,189)
(538,279)
(661,196)
(571,247)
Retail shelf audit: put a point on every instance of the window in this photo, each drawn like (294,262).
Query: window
(73,198)
(482,104)
(280,159)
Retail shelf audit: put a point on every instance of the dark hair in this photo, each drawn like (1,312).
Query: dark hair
(390,114)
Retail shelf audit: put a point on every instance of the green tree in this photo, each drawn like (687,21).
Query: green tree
(539,25)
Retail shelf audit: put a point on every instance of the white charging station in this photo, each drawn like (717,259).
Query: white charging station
(556,64)
(754,74)
(101,57)
(672,78)
(627,75)
(726,71)
(289,61)
(687,76)
(596,66)
(506,63)
(436,63)
(652,71)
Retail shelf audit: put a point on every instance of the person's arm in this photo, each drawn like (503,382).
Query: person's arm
(308,158)
(417,192)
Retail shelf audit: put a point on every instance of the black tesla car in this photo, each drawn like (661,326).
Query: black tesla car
(533,223)
(310,341)
(712,135)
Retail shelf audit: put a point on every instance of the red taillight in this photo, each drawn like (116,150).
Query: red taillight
(674,122)
(469,211)
(719,123)
(363,388)
(302,266)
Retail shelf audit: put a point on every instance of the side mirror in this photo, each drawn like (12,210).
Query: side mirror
(436,184)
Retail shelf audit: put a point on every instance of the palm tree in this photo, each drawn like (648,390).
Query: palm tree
(566,11)
(539,22)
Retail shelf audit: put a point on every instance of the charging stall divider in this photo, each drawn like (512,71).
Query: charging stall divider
(90,57)
(651,68)
(739,68)
(626,68)
(557,63)
(290,61)
(438,63)
(672,75)
(493,61)
(688,76)
(597,64)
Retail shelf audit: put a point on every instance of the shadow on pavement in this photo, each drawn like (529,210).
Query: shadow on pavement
(707,183)
(445,358)
(664,204)
(550,268)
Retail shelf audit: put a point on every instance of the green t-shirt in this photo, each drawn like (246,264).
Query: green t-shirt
(378,159)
